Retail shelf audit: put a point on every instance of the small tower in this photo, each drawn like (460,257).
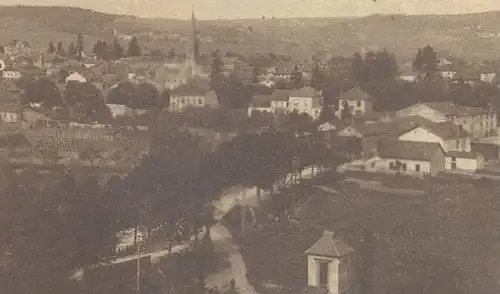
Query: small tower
(329,265)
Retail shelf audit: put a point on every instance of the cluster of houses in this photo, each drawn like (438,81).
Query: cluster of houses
(425,138)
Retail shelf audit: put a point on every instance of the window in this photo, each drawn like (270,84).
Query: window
(358,103)
(200,101)
(391,165)
(417,167)
(373,164)
(403,166)
(458,144)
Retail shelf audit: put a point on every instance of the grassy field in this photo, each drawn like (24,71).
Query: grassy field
(445,242)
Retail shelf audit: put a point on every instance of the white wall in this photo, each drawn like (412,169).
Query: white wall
(422,135)
(313,272)
(382,165)
(465,163)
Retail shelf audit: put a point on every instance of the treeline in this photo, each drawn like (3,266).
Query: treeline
(84,102)
(102,49)
(377,73)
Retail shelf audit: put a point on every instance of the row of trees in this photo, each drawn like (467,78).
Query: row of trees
(142,96)
(101,49)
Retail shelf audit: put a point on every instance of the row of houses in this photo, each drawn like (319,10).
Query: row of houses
(425,138)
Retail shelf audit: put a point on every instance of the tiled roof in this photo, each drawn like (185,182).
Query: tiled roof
(395,127)
(407,150)
(261,100)
(459,154)
(449,108)
(355,94)
(282,95)
(306,92)
(189,90)
(328,246)
(445,130)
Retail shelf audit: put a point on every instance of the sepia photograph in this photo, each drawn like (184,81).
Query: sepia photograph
(249,147)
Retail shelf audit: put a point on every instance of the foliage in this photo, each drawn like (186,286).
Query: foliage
(133,48)
(42,91)
(71,50)
(52,48)
(60,49)
(375,66)
(143,96)
(91,154)
(86,102)
(296,80)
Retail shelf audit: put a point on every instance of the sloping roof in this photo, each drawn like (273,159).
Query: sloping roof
(449,108)
(355,94)
(328,246)
(459,154)
(306,92)
(282,95)
(444,130)
(407,150)
(190,90)
(394,127)
(261,100)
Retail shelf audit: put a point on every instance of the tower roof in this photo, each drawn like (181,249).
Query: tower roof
(329,246)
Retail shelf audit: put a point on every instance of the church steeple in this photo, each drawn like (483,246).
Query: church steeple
(194,37)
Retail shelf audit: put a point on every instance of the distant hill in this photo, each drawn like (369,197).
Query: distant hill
(471,35)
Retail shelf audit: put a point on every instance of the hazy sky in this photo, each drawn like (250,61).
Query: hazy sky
(213,9)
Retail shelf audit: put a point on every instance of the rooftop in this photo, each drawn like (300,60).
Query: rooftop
(450,108)
(355,94)
(459,154)
(328,246)
(190,90)
(306,92)
(407,150)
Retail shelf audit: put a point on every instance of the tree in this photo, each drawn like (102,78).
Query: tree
(429,59)
(117,50)
(133,48)
(79,43)
(60,49)
(42,91)
(86,102)
(124,94)
(91,154)
(296,81)
(14,141)
(358,67)
(52,48)
(72,50)
(417,62)
(147,97)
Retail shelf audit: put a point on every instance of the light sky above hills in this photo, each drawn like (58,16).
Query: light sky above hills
(230,9)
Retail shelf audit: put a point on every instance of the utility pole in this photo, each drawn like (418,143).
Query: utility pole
(139,260)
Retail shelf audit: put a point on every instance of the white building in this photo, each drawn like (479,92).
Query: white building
(306,100)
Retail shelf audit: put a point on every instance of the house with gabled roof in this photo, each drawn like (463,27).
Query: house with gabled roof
(357,101)
(192,95)
(405,157)
(479,122)
(447,134)
(277,102)
(306,100)
(467,75)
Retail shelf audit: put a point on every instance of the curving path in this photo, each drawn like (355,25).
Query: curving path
(223,242)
